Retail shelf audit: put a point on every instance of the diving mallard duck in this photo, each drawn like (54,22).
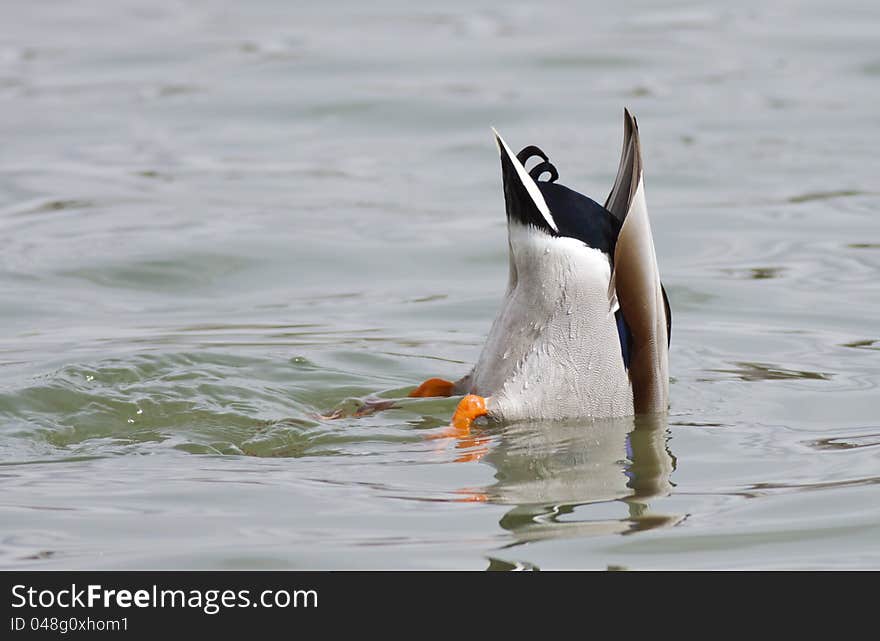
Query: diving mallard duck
(584,327)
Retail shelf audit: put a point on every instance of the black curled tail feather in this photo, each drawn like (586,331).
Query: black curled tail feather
(527,153)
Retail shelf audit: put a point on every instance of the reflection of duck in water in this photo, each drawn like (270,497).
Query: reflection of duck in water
(583,329)
(564,480)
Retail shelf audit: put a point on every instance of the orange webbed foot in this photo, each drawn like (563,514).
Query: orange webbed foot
(434,387)
(469,409)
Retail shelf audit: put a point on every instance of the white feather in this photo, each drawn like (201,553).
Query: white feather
(527,181)
(554,350)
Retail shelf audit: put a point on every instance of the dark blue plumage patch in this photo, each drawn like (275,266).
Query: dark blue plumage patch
(580,217)
(625,338)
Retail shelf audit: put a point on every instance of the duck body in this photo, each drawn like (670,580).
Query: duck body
(552,352)
(583,328)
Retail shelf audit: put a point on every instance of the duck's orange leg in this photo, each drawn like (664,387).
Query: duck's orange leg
(434,387)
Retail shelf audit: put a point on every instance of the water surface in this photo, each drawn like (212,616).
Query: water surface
(219,224)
